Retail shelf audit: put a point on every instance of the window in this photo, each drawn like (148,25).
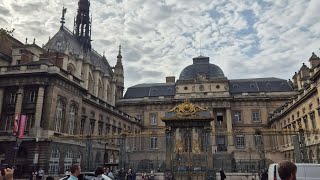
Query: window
(237,116)
(32,96)
(256,116)
(240,141)
(100,128)
(292,117)
(30,122)
(258,140)
(68,161)
(91,130)
(59,116)
(9,122)
(107,129)
(153,119)
(72,116)
(298,114)
(78,158)
(18,62)
(310,106)
(13,98)
(54,162)
(318,101)
(153,143)
(92,115)
(303,110)
(314,124)
(82,123)
(83,111)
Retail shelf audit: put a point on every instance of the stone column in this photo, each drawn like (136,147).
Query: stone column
(19,101)
(1,100)
(39,107)
(213,136)
(169,147)
(229,131)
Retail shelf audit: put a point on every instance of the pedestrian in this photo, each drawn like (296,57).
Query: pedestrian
(122,174)
(40,174)
(75,171)
(222,175)
(264,175)
(130,175)
(110,174)
(98,172)
(34,175)
(287,170)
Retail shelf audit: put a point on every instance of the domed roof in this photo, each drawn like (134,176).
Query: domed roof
(201,69)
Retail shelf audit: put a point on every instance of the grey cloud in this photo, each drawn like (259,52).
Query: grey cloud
(4,11)
(28,7)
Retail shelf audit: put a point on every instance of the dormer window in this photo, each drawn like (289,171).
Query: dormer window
(268,85)
(235,86)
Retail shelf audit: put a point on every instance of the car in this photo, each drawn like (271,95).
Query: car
(87,176)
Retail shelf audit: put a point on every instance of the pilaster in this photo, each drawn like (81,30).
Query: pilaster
(39,106)
(1,100)
(18,107)
(229,131)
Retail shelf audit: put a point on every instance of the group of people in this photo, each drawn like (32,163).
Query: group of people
(287,170)
(37,175)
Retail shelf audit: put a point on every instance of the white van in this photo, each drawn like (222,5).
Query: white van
(304,171)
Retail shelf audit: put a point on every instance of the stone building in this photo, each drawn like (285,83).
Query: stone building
(300,113)
(240,109)
(64,88)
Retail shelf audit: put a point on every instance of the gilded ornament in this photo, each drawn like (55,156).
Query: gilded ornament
(187,109)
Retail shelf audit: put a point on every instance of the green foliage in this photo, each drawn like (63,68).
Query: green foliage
(4,33)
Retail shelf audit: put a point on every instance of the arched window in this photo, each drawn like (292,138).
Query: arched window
(98,159)
(59,116)
(68,161)
(54,161)
(72,117)
(108,93)
(100,90)
(258,139)
(90,84)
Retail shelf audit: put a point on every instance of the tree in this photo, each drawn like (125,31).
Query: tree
(4,33)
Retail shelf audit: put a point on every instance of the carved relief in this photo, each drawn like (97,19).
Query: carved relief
(187,109)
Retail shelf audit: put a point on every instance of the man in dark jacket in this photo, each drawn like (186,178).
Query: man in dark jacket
(222,175)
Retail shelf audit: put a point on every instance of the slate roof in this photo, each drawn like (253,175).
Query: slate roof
(236,86)
(150,90)
(201,66)
(65,40)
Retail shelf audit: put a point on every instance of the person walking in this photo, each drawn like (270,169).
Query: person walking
(75,171)
(40,174)
(222,175)
(287,170)
(98,172)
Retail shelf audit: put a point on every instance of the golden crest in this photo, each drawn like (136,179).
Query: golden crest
(187,109)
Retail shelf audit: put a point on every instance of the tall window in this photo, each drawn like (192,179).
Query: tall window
(237,116)
(314,124)
(32,96)
(30,122)
(59,116)
(256,116)
(240,141)
(78,158)
(68,161)
(258,140)
(9,122)
(153,143)
(13,98)
(82,123)
(153,119)
(91,130)
(72,116)
(100,128)
(107,129)
(54,161)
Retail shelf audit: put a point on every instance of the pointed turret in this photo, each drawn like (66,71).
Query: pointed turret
(82,26)
(118,72)
(314,60)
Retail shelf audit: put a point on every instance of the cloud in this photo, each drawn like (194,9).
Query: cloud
(247,39)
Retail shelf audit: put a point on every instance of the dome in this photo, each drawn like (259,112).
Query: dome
(201,69)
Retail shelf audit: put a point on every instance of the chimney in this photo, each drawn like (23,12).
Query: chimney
(170,79)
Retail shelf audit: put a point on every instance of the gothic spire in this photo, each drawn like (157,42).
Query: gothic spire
(64,10)
(119,54)
(82,25)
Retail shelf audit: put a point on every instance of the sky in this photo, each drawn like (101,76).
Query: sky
(245,38)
